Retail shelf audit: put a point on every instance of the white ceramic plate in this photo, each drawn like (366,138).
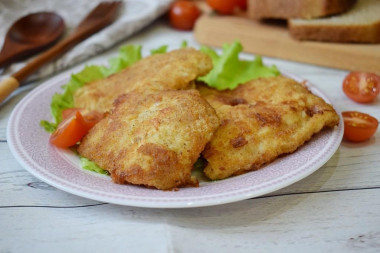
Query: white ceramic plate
(29,143)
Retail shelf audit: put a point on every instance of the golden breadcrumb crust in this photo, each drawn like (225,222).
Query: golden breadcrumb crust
(152,139)
(170,71)
(261,120)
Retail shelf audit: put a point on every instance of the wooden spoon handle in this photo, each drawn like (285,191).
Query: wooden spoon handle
(47,56)
(103,15)
(12,83)
(5,59)
(7,86)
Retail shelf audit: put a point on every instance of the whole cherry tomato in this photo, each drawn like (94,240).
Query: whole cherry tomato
(358,126)
(183,15)
(225,7)
(242,4)
(361,87)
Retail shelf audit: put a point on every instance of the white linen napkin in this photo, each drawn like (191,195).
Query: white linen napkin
(133,16)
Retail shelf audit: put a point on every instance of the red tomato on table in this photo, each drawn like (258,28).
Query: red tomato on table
(227,7)
(183,14)
(362,87)
(242,4)
(222,6)
(359,126)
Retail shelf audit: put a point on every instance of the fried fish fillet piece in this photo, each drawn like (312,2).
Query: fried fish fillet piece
(261,120)
(152,139)
(170,71)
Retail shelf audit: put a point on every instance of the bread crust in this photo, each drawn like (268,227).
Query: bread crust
(285,9)
(336,33)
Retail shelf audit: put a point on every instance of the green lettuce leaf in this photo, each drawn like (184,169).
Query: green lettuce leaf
(91,166)
(229,71)
(128,55)
(200,164)
(164,49)
(161,50)
(183,44)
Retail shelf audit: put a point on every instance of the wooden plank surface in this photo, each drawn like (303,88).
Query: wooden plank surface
(269,39)
(340,221)
(336,209)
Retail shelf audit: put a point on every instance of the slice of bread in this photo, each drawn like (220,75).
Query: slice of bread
(360,24)
(285,9)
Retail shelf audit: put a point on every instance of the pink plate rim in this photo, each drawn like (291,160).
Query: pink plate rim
(29,144)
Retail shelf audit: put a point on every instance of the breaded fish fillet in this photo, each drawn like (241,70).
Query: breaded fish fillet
(152,139)
(261,120)
(170,71)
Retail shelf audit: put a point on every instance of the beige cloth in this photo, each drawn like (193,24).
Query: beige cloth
(134,15)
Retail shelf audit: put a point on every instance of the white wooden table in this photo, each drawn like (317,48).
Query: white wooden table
(336,209)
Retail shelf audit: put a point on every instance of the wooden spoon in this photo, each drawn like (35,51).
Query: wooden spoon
(29,35)
(103,14)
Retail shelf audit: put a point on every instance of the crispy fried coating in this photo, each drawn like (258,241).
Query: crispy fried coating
(170,71)
(152,139)
(261,120)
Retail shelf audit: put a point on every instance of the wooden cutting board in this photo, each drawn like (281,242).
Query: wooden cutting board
(273,40)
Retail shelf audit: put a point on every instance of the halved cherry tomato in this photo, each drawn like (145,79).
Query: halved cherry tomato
(91,118)
(358,126)
(73,127)
(183,14)
(361,87)
(69,112)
